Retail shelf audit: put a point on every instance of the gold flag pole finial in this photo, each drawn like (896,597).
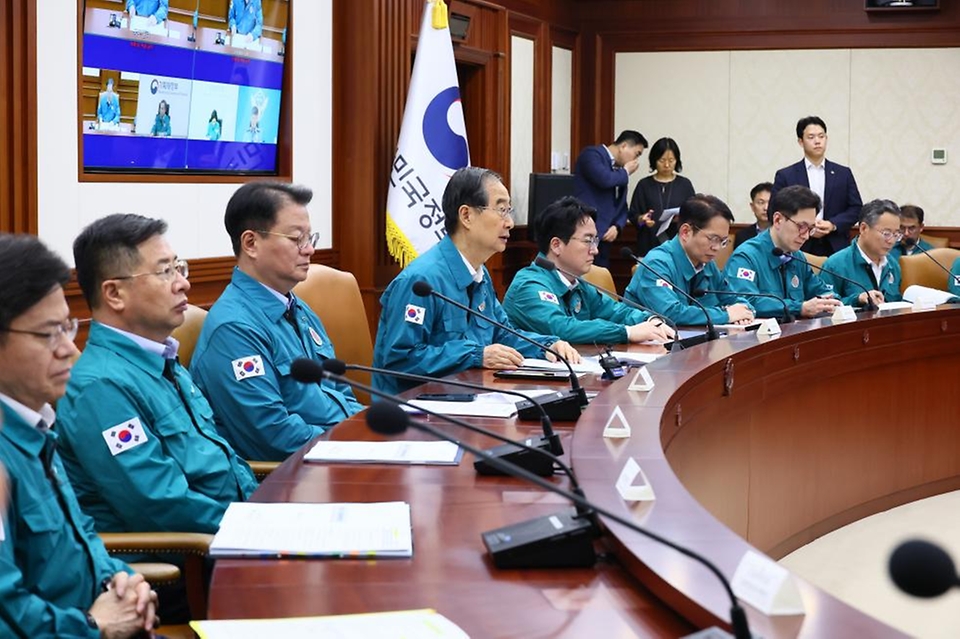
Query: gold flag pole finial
(439,17)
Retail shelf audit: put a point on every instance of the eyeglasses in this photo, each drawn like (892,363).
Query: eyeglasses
(167,273)
(907,230)
(504,212)
(715,240)
(303,240)
(804,229)
(890,236)
(590,240)
(67,329)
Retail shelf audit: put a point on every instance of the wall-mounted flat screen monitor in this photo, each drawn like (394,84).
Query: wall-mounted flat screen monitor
(182,86)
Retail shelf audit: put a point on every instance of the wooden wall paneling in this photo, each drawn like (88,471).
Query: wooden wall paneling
(18,112)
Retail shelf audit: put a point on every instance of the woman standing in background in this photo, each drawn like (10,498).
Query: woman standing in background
(658,192)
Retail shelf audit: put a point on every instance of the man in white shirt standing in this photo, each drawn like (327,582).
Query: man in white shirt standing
(834,183)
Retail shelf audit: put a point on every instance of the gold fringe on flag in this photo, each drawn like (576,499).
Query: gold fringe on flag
(400,248)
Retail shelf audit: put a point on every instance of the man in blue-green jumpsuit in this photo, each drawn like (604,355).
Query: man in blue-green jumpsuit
(867,260)
(552,301)
(428,336)
(56,579)
(246,18)
(137,436)
(258,328)
(754,268)
(108,105)
(154,9)
(911,226)
(687,261)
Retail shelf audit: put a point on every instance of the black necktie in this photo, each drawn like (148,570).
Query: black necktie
(783,278)
(291,316)
(470,291)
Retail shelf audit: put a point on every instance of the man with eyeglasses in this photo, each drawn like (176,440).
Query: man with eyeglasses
(553,302)
(56,578)
(428,336)
(755,268)
(687,261)
(911,226)
(258,327)
(867,259)
(137,437)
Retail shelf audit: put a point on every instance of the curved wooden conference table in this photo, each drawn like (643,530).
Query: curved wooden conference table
(748,443)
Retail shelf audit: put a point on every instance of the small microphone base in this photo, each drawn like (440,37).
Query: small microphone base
(562,540)
(563,406)
(540,465)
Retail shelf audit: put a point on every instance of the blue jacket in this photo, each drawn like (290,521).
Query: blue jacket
(850,264)
(899,250)
(108,108)
(841,197)
(753,268)
(247,19)
(146,8)
(427,336)
(538,300)
(242,364)
(161,125)
(671,261)
(182,478)
(953,284)
(52,564)
(603,186)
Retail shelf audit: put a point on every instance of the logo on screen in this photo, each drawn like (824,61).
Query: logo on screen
(154,86)
(447,146)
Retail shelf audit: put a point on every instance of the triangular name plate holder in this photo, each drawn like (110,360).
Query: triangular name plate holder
(617,426)
(767,586)
(641,381)
(769,326)
(633,484)
(843,314)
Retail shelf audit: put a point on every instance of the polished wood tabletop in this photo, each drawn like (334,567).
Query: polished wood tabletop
(748,441)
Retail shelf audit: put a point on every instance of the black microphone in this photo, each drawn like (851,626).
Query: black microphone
(546,264)
(922,569)
(562,540)
(956,278)
(390,419)
(711,330)
(423,289)
(787,316)
(514,454)
(869,306)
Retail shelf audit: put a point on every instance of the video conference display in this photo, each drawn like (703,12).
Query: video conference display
(178,96)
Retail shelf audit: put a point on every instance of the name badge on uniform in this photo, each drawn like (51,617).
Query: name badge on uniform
(315,336)
(890,278)
(482,306)
(547,296)
(795,281)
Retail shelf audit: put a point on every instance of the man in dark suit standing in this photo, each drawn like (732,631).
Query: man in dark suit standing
(600,179)
(833,182)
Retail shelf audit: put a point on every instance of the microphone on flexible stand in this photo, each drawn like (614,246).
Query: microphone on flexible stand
(546,264)
(787,315)
(922,569)
(390,419)
(521,456)
(956,278)
(577,397)
(869,306)
(711,329)
(561,540)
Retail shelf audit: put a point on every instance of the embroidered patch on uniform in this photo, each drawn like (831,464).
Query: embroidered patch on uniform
(547,296)
(315,336)
(890,278)
(482,306)
(664,283)
(414,314)
(247,367)
(124,436)
(795,281)
(576,307)
(746,274)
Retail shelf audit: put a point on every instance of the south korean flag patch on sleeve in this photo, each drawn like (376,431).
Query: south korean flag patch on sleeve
(414,314)
(247,367)
(124,436)
(547,296)
(746,274)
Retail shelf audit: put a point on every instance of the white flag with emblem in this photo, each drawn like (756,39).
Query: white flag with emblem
(124,436)
(433,142)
